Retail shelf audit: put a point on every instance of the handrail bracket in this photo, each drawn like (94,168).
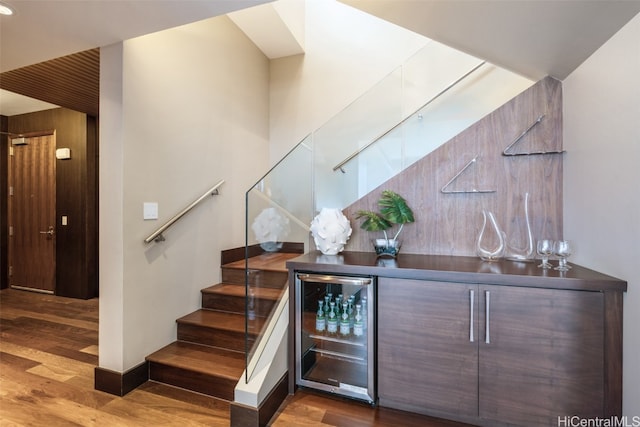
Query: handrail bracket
(157,236)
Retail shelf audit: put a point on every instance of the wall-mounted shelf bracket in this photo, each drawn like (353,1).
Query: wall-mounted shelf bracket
(506,152)
(446,191)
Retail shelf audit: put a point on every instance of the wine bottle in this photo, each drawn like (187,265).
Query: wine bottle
(365,319)
(320,318)
(358,325)
(332,321)
(351,310)
(344,321)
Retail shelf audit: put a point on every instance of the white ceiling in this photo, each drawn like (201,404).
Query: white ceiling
(12,104)
(534,38)
(45,29)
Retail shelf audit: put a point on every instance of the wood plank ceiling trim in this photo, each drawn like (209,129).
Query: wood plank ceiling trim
(71,81)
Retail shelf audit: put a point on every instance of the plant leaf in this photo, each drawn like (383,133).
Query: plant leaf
(394,208)
(373,221)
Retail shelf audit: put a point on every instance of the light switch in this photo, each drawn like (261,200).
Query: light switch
(150,210)
(63,153)
(64,220)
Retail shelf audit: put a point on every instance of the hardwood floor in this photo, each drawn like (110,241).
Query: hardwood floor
(48,352)
(310,409)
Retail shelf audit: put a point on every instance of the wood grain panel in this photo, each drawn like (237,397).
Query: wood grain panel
(448,224)
(76,243)
(613,353)
(545,356)
(32,212)
(426,360)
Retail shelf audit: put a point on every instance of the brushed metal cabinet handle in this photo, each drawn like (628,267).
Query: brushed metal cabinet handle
(471,300)
(487,336)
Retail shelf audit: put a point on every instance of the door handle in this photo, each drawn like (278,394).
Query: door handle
(49,232)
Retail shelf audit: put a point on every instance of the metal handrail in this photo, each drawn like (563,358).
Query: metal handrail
(442,92)
(157,235)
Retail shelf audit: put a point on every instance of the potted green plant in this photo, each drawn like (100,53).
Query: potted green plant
(393,211)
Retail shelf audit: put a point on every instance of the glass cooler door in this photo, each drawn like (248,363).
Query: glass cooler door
(334,334)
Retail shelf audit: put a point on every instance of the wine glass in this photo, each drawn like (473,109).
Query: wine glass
(562,249)
(545,249)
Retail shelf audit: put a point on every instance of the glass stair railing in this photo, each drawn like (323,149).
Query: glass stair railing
(433,96)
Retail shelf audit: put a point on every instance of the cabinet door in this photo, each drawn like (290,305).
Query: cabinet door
(544,357)
(427,361)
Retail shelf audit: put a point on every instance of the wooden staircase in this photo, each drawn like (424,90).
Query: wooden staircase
(209,354)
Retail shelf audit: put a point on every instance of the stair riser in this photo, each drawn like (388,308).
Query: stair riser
(210,350)
(235,304)
(267,279)
(222,388)
(212,337)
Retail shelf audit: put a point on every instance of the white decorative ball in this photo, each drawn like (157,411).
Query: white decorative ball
(270,228)
(330,230)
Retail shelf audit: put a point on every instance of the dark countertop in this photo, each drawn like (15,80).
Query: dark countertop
(457,269)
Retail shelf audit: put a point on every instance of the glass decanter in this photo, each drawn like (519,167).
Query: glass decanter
(525,254)
(486,253)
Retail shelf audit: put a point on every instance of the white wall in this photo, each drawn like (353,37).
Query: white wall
(193,111)
(602,179)
(346,53)
(110,206)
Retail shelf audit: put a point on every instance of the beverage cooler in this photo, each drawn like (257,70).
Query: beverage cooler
(335,334)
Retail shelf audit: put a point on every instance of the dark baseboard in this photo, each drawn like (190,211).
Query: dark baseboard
(247,416)
(121,383)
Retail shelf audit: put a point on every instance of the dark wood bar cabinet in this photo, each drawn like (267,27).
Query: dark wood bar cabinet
(488,343)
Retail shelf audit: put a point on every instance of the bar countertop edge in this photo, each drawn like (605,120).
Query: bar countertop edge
(459,269)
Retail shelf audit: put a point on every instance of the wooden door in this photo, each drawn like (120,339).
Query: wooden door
(427,354)
(544,357)
(32,213)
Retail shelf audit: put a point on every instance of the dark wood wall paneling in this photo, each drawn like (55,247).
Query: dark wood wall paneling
(4,178)
(91,213)
(448,224)
(71,81)
(76,243)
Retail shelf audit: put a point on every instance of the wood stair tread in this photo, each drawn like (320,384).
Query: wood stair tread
(216,320)
(209,356)
(239,291)
(206,360)
(268,261)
